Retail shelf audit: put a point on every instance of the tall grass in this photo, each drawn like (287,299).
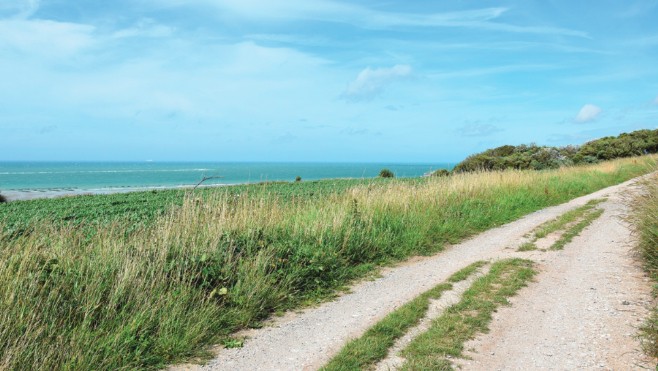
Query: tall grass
(117,300)
(645,221)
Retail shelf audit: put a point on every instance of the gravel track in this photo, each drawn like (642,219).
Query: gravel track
(586,285)
(448,298)
(581,313)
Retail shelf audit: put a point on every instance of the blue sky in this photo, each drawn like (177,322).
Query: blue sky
(319,80)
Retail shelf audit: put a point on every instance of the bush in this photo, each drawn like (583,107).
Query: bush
(298,178)
(3,199)
(534,157)
(440,173)
(386,173)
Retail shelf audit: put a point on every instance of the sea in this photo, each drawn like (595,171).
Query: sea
(108,176)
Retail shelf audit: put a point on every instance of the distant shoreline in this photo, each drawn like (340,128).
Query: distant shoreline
(36,194)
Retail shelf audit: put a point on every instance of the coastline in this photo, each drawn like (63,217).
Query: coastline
(36,194)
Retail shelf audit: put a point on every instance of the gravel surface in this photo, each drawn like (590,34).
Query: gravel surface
(581,313)
(575,312)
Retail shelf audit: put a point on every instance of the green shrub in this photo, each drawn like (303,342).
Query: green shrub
(440,173)
(3,199)
(534,157)
(386,173)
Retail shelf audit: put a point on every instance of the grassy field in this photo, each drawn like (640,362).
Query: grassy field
(645,220)
(147,279)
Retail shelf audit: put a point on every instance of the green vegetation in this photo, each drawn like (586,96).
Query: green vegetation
(535,157)
(461,322)
(645,221)
(572,223)
(143,280)
(3,199)
(373,346)
(386,173)
(135,210)
(298,179)
(440,172)
(575,229)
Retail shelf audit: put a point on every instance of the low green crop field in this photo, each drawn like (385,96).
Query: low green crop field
(137,209)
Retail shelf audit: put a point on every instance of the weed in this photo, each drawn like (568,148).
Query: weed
(527,246)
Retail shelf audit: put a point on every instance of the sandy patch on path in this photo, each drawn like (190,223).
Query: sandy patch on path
(307,340)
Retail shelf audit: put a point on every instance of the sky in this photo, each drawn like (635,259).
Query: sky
(319,80)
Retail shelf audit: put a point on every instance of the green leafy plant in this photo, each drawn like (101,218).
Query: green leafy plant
(386,173)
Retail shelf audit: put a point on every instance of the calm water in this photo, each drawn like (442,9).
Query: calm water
(104,175)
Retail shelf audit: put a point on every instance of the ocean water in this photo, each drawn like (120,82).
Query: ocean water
(28,176)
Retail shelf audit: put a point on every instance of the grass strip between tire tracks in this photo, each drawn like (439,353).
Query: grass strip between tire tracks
(571,223)
(372,347)
(575,230)
(461,322)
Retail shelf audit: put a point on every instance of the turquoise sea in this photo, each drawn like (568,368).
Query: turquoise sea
(26,176)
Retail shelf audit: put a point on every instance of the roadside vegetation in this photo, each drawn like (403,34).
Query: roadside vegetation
(536,157)
(365,352)
(569,225)
(123,282)
(645,221)
(445,339)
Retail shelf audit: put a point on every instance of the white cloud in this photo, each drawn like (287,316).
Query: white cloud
(41,37)
(588,113)
(655,101)
(371,82)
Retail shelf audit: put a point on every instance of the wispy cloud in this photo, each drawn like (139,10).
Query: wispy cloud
(371,82)
(19,9)
(588,112)
(45,37)
(478,130)
(369,18)
(491,70)
(145,27)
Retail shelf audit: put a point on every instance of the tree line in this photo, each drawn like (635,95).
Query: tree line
(532,156)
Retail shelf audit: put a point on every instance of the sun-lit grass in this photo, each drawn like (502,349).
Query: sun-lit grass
(644,218)
(188,278)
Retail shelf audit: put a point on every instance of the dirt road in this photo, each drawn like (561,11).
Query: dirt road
(581,311)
